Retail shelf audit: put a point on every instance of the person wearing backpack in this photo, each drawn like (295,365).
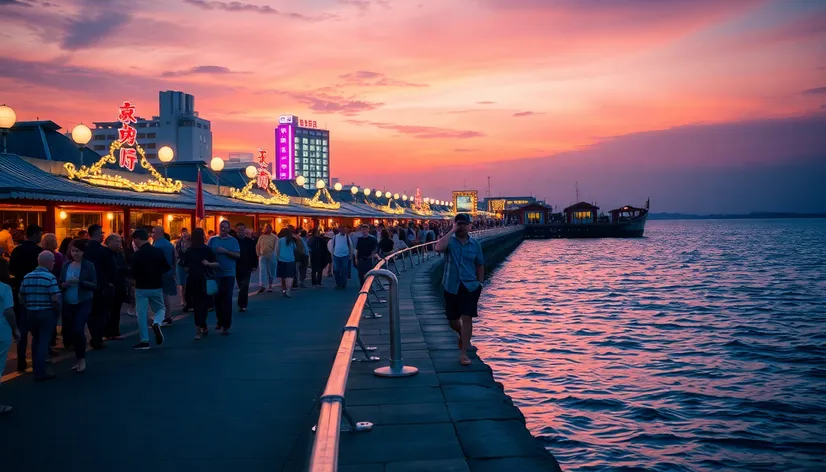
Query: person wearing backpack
(342,249)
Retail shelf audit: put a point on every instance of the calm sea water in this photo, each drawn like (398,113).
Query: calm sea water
(699,347)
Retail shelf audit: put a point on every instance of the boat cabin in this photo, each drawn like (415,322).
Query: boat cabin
(625,213)
(531,214)
(581,213)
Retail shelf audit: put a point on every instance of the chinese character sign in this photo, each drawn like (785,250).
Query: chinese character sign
(263,179)
(284,152)
(127,135)
(128,157)
(307,123)
(264,172)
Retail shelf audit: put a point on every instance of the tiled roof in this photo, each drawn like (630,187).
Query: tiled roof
(43,140)
(39,141)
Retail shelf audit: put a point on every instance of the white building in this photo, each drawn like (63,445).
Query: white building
(177,126)
(240,160)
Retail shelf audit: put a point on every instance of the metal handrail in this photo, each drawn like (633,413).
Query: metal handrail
(324,455)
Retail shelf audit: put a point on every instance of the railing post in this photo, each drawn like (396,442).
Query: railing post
(396,367)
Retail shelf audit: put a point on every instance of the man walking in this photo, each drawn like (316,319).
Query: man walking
(148,266)
(265,247)
(23,261)
(245,265)
(462,280)
(40,300)
(170,289)
(366,247)
(107,273)
(341,248)
(227,253)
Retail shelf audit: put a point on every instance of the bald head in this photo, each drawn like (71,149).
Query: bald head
(46,260)
(157,233)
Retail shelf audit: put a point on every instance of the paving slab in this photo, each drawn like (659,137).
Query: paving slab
(446,465)
(398,443)
(515,464)
(495,438)
(483,410)
(409,413)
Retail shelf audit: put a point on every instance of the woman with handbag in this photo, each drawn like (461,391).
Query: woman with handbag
(199,260)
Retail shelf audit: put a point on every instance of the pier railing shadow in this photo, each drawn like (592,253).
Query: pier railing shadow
(328,429)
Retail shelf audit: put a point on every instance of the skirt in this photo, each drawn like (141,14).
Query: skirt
(286,270)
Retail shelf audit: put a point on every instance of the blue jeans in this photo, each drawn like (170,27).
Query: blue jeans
(340,265)
(75,317)
(41,325)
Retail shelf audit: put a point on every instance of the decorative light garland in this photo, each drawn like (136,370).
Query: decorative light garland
(95,176)
(275,197)
(422,210)
(392,207)
(316,201)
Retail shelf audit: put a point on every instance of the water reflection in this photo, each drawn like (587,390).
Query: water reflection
(700,347)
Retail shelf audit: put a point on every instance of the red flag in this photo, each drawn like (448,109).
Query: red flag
(200,212)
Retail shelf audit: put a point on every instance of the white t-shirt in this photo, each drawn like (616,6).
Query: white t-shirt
(341,248)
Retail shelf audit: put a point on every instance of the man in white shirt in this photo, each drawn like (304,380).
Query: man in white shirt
(342,250)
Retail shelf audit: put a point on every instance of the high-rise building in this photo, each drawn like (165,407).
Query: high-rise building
(301,148)
(177,126)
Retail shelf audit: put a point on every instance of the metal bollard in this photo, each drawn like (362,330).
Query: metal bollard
(396,367)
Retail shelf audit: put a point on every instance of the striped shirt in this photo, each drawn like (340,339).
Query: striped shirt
(37,289)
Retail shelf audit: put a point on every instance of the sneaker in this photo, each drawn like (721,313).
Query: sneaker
(141,346)
(22,366)
(156,328)
(197,334)
(261,290)
(167,321)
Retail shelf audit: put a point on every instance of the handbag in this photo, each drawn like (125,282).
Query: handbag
(211,283)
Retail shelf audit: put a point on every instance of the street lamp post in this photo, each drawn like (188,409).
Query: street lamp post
(7,120)
(81,135)
(165,155)
(217,165)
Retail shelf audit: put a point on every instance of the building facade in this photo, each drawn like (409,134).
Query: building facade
(302,149)
(502,204)
(177,126)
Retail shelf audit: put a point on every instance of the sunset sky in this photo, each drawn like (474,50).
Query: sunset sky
(703,105)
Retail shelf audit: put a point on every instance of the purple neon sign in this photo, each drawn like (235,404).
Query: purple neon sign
(284,152)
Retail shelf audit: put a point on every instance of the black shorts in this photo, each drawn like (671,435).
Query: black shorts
(464,303)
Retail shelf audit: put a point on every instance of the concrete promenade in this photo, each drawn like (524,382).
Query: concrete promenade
(239,402)
(448,417)
(248,401)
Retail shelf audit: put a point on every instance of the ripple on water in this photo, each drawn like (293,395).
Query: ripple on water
(699,347)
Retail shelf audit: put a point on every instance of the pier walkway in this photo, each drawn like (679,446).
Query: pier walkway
(240,402)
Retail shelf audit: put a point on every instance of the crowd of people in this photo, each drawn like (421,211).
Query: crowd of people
(85,281)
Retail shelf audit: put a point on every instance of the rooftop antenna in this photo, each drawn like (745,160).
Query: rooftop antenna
(577,191)
(488,186)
